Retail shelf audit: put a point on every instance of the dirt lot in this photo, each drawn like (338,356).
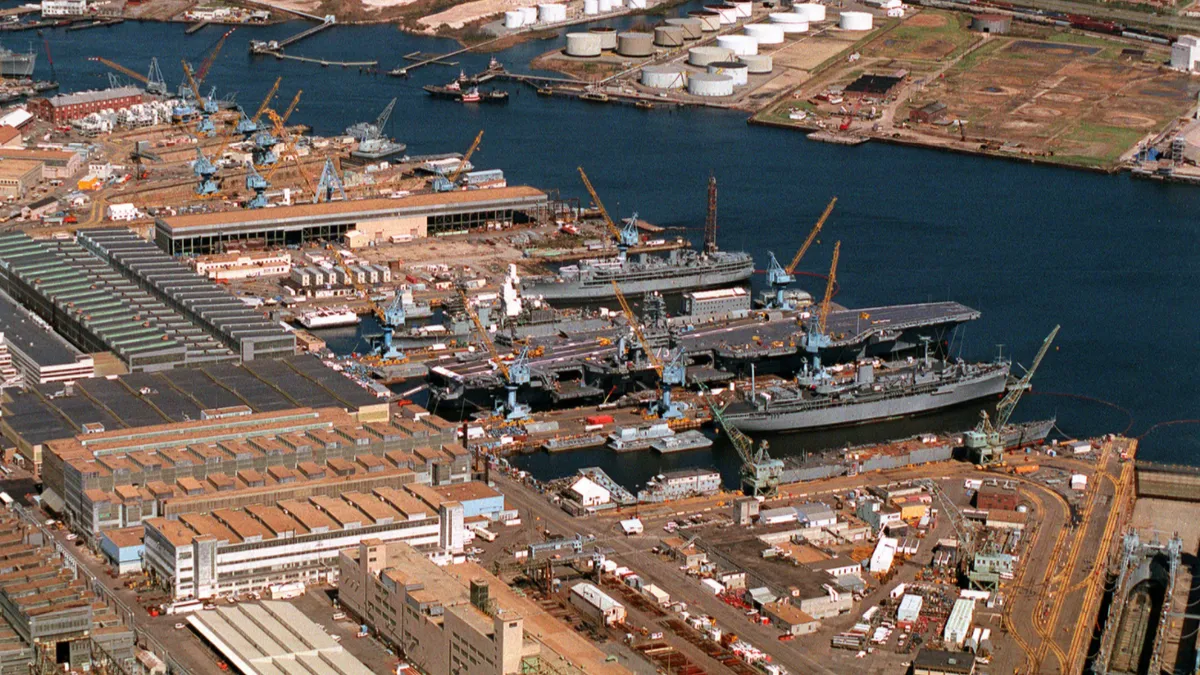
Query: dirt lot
(1062,96)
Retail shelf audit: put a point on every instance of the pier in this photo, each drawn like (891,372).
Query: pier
(103,23)
(324,63)
(194,28)
(403,71)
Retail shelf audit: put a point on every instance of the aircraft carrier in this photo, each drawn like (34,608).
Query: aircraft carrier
(574,368)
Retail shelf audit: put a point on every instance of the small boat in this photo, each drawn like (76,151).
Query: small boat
(644,105)
(496,96)
(545,91)
(471,96)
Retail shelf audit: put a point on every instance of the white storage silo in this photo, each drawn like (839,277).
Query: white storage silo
(765,33)
(710,84)
(552,13)
(668,36)
(530,15)
(515,19)
(740,45)
(757,64)
(637,4)
(583,44)
(811,11)
(608,37)
(618,4)
(727,13)
(591,7)
(605,6)
(790,23)
(856,21)
(664,77)
(709,20)
(735,69)
(635,44)
(691,27)
(744,7)
(702,56)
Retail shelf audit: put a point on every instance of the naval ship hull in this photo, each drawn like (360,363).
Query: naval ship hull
(810,415)
(13,64)
(664,279)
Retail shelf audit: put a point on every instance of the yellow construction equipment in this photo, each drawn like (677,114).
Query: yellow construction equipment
(781,277)
(466,158)
(823,316)
(483,334)
(191,80)
(637,329)
(292,106)
(289,144)
(120,69)
(621,237)
(266,100)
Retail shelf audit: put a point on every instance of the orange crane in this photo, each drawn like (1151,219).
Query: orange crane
(781,277)
(152,86)
(830,283)
(266,100)
(636,325)
(292,106)
(207,63)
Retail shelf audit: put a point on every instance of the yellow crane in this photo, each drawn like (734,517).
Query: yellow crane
(637,329)
(829,285)
(266,100)
(781,277)
(120,69)
(191,80)
(626,237)
(292,106)
(448,183)
(483,334)
(515,374)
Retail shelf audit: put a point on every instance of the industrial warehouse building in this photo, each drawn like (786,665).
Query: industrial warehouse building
(115,479)
(67,107)
(456,619)
(357,223)
(235,551)
(596,605)
(37,353)
(246,331)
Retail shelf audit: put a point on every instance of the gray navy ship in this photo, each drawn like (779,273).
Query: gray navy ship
(869,393)
(681,270)
(16,64)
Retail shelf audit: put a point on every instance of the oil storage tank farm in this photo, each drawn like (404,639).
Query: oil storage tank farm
(726,13)
(514,18)
(757,64)
(635,44)
(551,13)
(856,21)
(789,22)
(744,8)
(608,37)
(529,15)
(702,56)
(583,44)
(765,33)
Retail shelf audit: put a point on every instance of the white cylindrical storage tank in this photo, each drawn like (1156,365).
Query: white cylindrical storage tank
(856,21)
(608,37)
(591,7)
(552,13)
(692,29)
(664,77)
(530,15)
(605,6)
(710,84)
(618,4)
(790,23)
(583,44)
(727,13)
(515,19)
(735,69)
(668,36)
(709,20)
(740,45)
(744,7)
(637,4)
(702,56)
(757,64)
(635,44)
(765,33)
(810,11)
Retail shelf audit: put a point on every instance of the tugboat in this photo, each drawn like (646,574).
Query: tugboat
(470,96)
(455,91)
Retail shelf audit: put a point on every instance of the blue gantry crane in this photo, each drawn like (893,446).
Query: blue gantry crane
(627,236)
(780,277)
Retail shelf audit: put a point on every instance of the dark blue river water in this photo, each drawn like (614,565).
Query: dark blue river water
(1115,261)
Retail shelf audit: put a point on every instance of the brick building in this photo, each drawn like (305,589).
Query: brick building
(67,107)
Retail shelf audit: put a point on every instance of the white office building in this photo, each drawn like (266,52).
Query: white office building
(64,7)
(1185,53)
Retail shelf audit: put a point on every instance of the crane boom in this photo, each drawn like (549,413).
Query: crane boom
(637,329)
(191,80)
(207,63)
(289,142)
(829,284)
(465,158)
(266,100)
(483,334)
(292,106)
(612,227)
(1004,409)
(121,69)
(791,269)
